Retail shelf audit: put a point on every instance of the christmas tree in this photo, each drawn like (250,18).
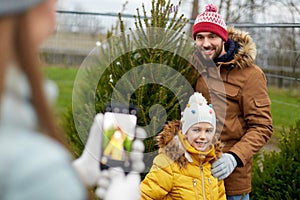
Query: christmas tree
(146,65)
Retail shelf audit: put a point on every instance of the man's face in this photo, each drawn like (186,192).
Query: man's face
(211,44)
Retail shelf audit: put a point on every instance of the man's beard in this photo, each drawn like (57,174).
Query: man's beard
(218,53)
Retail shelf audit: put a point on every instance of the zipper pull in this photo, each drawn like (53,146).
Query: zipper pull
(195,188)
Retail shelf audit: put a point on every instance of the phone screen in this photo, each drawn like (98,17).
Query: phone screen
(118,135)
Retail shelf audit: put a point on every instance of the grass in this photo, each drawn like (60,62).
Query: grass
(285,106)
(64,79)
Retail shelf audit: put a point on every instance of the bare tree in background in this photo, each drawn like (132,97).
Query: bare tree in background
(242,11)
(294,11)
(195,9)
(195,12)
(272,40)
(239,11)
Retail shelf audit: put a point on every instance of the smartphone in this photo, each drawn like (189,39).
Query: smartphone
(118,134)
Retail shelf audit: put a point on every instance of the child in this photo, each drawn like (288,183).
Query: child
(182,169)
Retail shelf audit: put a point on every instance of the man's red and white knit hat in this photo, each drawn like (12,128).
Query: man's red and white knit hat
(210,21)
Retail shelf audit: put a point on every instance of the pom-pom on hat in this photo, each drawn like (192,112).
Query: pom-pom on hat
(210,21)
(197,111)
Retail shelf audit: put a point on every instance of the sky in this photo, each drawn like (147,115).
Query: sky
(115,6)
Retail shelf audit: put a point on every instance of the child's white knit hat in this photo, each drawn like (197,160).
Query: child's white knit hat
(197,111)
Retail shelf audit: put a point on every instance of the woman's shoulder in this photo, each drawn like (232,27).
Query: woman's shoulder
(33,159)
(18,143)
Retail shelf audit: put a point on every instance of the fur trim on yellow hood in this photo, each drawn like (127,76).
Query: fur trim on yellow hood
(169,143)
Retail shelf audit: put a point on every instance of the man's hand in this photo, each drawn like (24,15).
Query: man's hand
(224,166)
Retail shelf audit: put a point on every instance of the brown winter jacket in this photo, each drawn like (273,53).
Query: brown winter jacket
(242,106)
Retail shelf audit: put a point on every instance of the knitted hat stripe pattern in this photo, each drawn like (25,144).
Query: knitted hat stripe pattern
(211,17)
(210,21)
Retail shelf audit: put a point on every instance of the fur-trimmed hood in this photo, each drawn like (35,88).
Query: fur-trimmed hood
(246,54)
(170,142)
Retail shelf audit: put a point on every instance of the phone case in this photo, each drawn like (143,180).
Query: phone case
(118,134)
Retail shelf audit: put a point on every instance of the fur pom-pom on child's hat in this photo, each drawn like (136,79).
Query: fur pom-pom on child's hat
(210,21)
(197,111)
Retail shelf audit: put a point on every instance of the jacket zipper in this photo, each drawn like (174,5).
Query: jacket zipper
(202,177)
(195,188)
(210,189)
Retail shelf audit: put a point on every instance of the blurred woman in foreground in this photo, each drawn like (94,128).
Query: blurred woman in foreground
(34,162)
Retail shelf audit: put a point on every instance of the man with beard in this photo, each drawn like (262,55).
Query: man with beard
(242,107)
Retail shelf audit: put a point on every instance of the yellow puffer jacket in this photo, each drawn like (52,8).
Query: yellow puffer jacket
(176,174)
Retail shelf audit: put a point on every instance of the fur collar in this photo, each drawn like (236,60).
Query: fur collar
(171,143)
(246,54)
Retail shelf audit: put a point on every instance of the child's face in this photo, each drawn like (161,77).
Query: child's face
(200,136)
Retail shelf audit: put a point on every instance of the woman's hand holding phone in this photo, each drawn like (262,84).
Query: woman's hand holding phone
(113,184)
(108,184)
(87,165)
